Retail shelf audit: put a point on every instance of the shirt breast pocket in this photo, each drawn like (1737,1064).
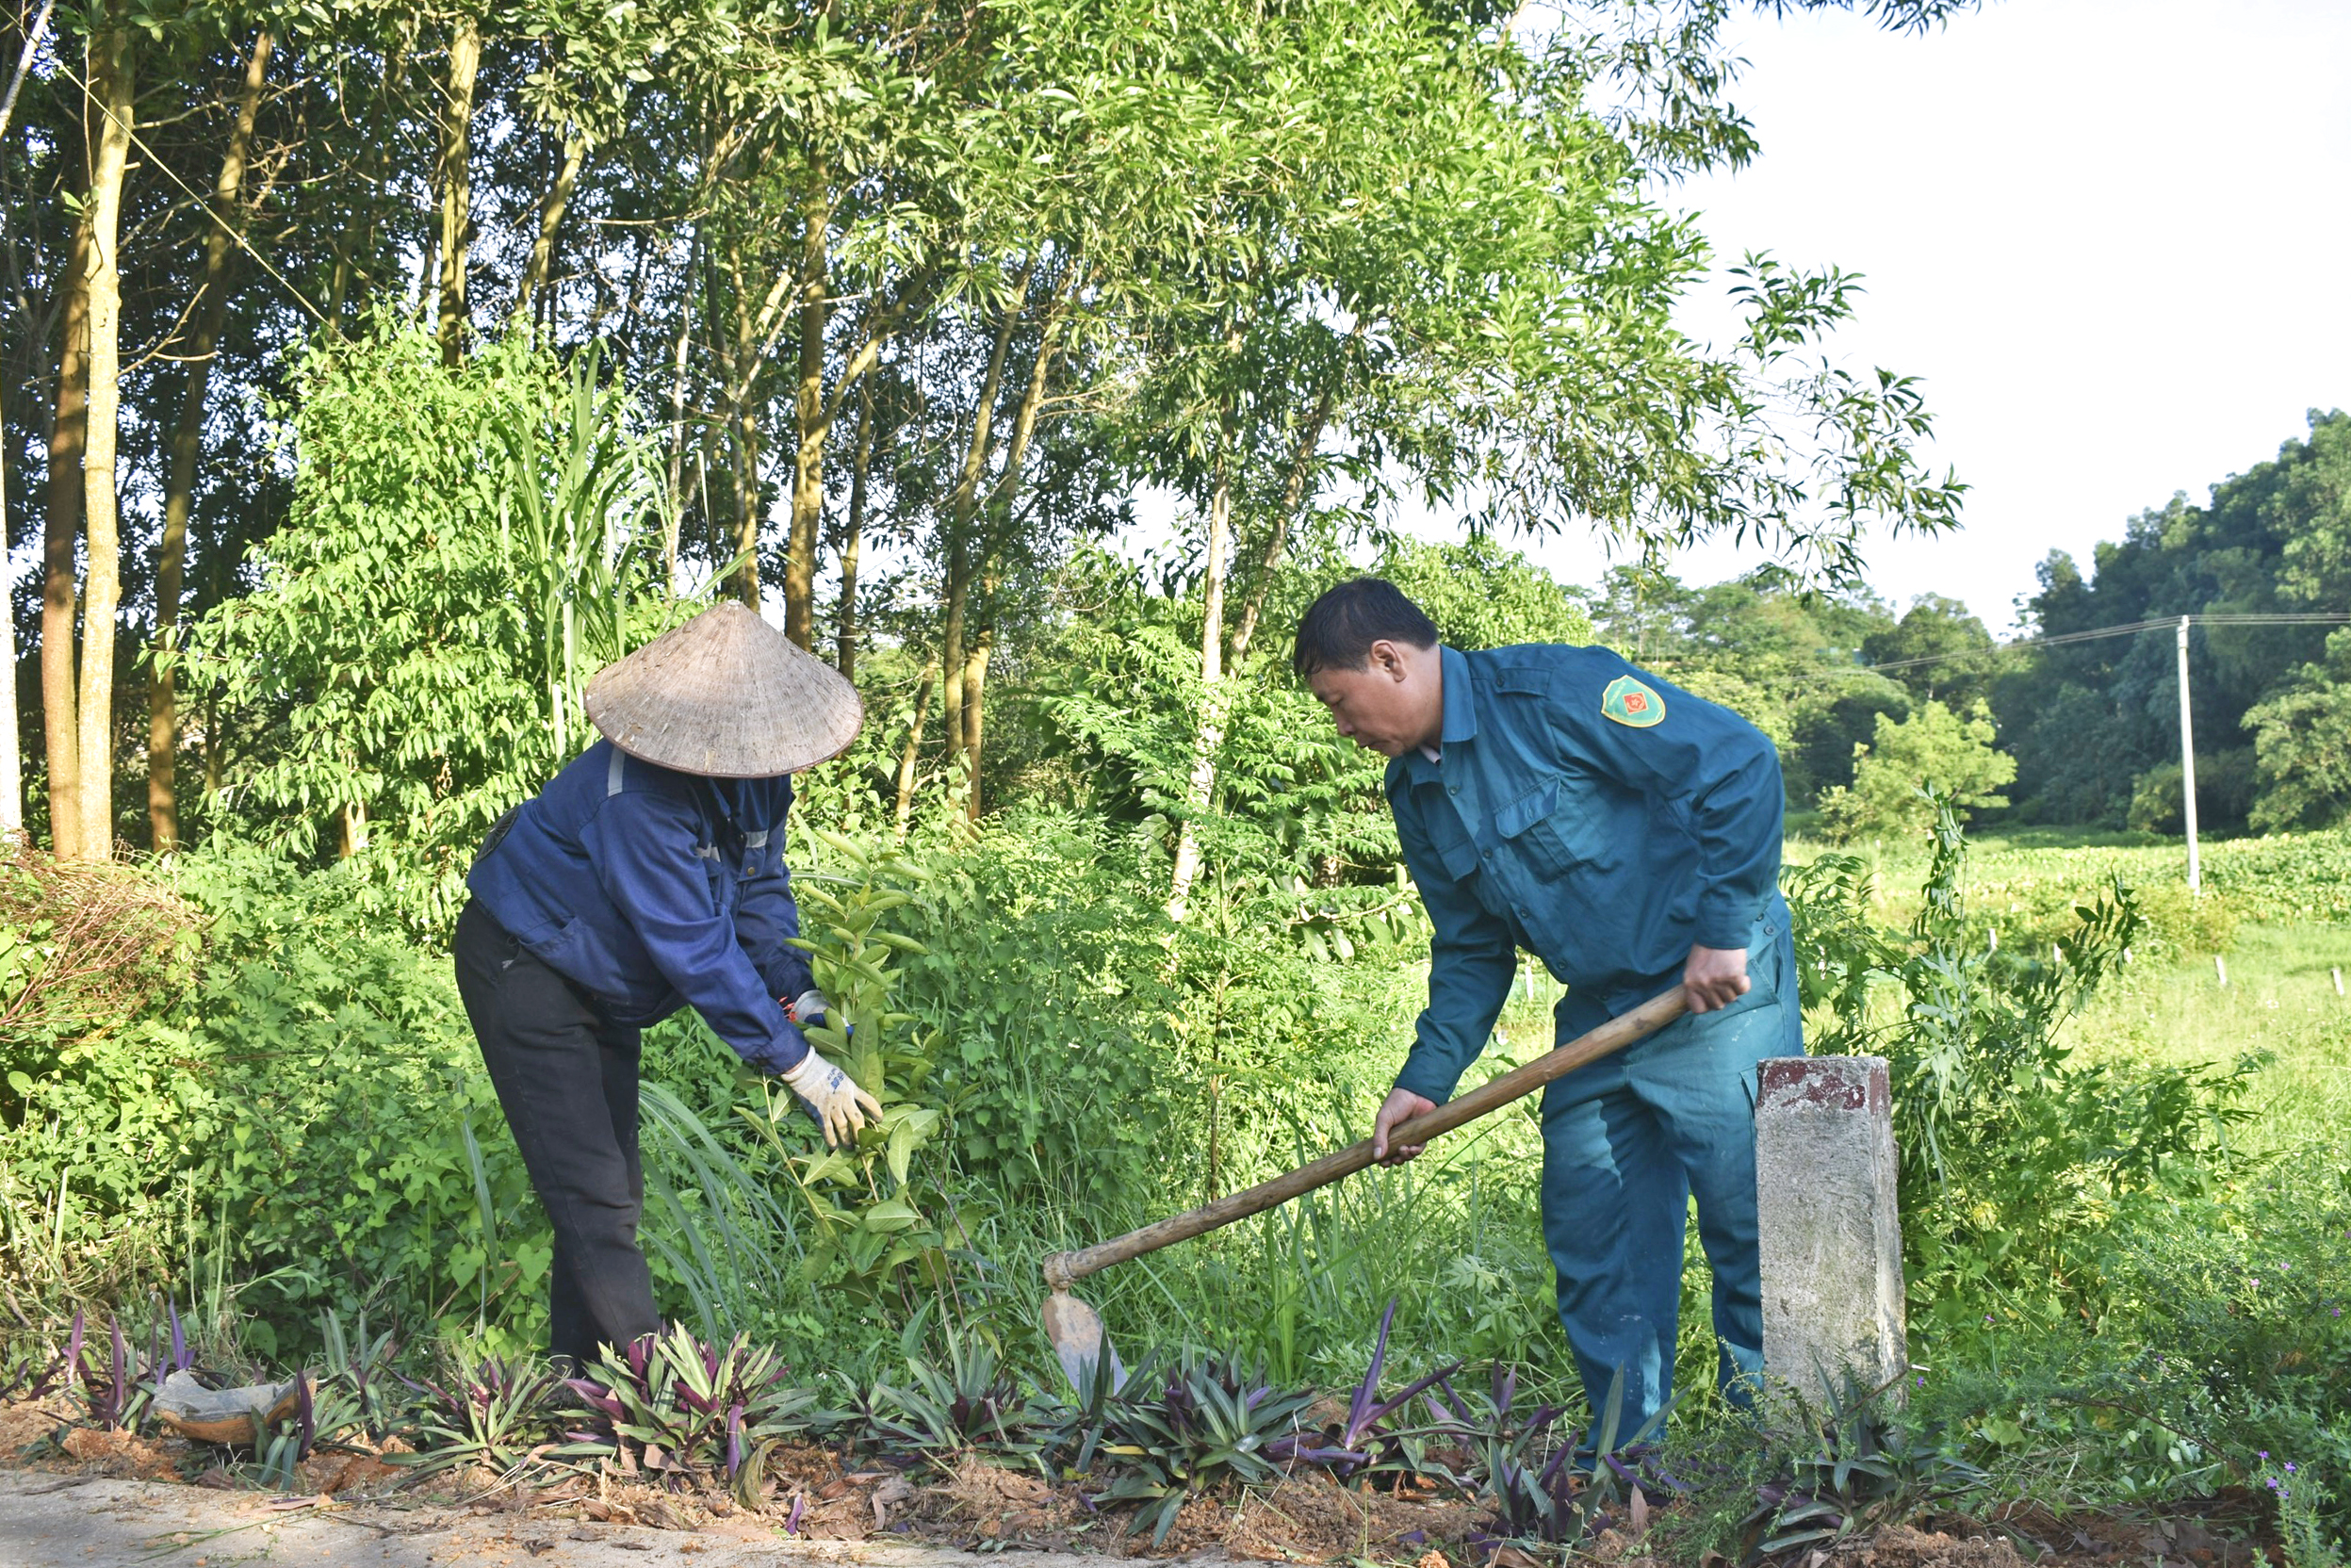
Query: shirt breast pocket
(1551,841)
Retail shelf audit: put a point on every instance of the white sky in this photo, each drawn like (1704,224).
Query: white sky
(2111,236)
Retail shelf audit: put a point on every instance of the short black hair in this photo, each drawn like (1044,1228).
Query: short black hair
(1338,630)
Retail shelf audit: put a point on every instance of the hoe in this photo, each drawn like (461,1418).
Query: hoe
(1076,1330)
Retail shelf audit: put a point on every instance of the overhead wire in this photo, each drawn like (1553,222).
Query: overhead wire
(203,203)
(2128,629)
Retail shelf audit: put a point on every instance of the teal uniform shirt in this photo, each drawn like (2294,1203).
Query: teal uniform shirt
(1601,818)
(1607,821)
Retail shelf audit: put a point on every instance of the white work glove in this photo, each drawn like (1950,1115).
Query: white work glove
(832,1096)
(809,1009)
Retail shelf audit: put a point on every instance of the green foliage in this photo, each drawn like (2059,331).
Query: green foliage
(873,1216)
(1856,1466)
(1780,657)
(1938,651)
(505,1413)
(465,550)
(1045,977)
(2299,738)
(235,1105)
(1201,1418)
(1936,748)
(2016,1154)
(2234,1329)
(973,1403)
(2087,720)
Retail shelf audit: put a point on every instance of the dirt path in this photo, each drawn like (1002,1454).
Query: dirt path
(51,1521)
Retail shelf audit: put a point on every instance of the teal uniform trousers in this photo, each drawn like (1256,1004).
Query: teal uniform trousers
(1606,821)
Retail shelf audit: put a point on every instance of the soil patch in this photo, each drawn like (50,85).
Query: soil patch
(988,1506)
(1314,1518)
(25,1422)
(124,1454)
(809,1496)
(2235,1528)
(1901,1547)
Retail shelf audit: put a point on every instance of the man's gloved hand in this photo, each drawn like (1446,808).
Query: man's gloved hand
(808,1008)
(832,1096)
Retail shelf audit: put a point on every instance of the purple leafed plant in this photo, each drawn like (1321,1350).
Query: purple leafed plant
(1365,1441)
(305,1416)
(182,1360)
(706,1407)
(73,1350)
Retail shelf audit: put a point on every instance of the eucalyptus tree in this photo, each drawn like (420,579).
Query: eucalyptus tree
(228,214)
(1477,294)
(1119,133)
(828,200)
(11,750)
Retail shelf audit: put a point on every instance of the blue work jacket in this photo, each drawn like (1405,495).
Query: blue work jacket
(652,889)
(1593,814)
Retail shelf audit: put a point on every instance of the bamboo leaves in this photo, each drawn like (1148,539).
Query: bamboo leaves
(573,519)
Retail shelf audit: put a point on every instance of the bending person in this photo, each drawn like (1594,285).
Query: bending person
(1628,833)
(649,875)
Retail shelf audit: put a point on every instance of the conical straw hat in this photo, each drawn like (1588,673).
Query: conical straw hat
(726,696)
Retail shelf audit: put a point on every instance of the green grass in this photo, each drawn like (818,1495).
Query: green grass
(2276,909)
(2280,1003)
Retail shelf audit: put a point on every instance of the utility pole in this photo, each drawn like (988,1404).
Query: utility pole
(2187,764)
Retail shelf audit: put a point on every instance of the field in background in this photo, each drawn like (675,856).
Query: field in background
(2275,910)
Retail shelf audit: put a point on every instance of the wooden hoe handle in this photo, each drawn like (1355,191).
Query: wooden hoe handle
(1062,1269)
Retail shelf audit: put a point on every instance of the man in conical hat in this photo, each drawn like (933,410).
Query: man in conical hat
(649,875)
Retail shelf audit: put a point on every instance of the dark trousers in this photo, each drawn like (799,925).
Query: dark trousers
(567,1078)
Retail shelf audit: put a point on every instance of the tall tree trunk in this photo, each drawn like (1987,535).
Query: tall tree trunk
(974,714)
(427,279)
(534,274)
(745,427)
(1293,499)
(1201,787)
(962,509)
(852,539)
(677,473)
(951,643)
(11,745)
(356,234)
(456,184)
(102,585)
(912,755)
(747,353)
(993,525)
(59,588)
(807,458)
(677,347)
(163,816)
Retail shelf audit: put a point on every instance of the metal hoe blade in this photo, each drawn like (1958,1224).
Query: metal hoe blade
(1079,1342)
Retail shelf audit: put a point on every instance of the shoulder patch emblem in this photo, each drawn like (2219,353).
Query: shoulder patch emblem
(1628,702)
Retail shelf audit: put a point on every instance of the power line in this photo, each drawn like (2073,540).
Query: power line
(2131,628)
(202,203)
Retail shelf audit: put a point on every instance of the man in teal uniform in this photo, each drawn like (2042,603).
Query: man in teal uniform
(1627,833)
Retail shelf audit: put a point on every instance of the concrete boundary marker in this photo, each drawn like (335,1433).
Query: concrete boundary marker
(1830,1231)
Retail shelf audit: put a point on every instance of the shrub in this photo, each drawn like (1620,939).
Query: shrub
(2016,1156)
(1949,753)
